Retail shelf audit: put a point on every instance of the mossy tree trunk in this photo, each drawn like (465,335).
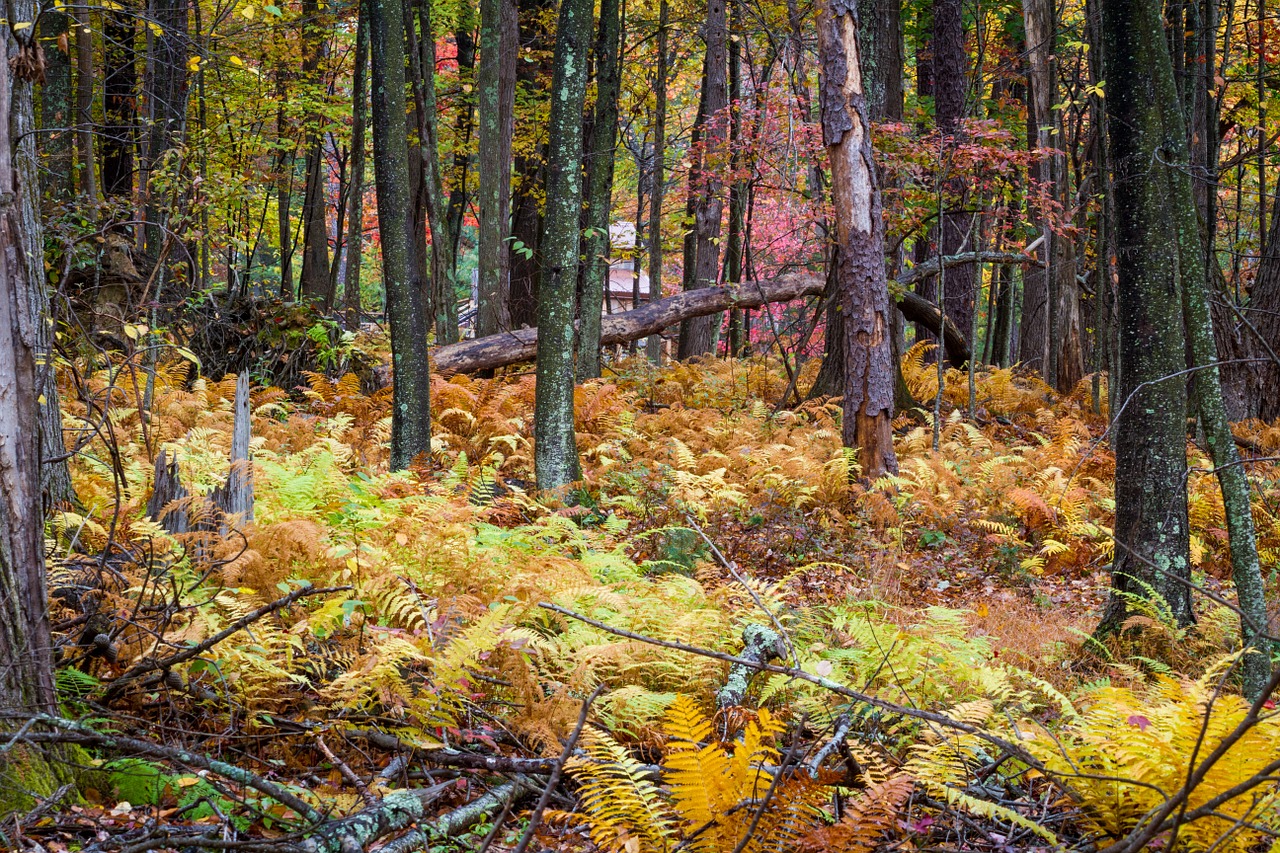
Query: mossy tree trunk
(355,201)
(555,450)
(1153,235)
(601,149)
(496,84)
(411,400)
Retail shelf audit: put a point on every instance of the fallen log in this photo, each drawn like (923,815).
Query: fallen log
(506,348)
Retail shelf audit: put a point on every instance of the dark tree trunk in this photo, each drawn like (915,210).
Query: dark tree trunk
(313,279)
(705,185)
(463,126)
(411,402)
(950,90)
(119,91)
(555,447)
(56,136)
(84,105)
(601,149)
(355,217)
(653,347)
(167,103)
(1145,127)
(499,44)
(739,189)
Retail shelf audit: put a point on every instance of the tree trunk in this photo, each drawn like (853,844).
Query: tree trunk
(1147,133)
(313,279)
(464,33)
(119,91)
(499,44)
(167,105)
(555,448)
(601,149)
(444,303)
(860,274)
(26,664)
(411,402)
(355,218)
(950,90)
(57,139)
(84,105)
(653,347)
(705,186)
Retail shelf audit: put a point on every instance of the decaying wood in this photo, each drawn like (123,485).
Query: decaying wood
(760,644)
(501,350)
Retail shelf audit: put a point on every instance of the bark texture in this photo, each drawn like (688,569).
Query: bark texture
(861,286)
(555,447)
(411,402)
(1148,143)
(355,216)
(499,44)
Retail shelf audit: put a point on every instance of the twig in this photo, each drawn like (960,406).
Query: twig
(347,772)
(142,667)
(837,740)
(536,816)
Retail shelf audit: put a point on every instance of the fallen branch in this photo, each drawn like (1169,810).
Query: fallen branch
(760,645)
(505,348)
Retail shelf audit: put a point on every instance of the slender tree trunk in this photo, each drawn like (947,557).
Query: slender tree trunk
(464,35)
(739,189)
(601,150)
(411,400)
(1148,142)
(705,184)
(84,105)
(555,448)
(863,291)
(56,136)
(355,217)
(313,279)
(499,44)
(167,103)
(444,302)
(950,90)
(653,346)
(119,88)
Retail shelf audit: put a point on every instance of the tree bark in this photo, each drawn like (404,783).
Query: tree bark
(167,104)
(860,274)
(555,448)
(1148,142)
(411,401)
(601,149)
(119,89)
(355,218)
(653,347)
(499,44)
(705,186)
(56,136)
(26,665)
(84,105)
(313,280)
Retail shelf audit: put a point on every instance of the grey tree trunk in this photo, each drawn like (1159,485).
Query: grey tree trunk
(705,185)
(313,279)
(862,288)
(355,218)
(601,148)
(1148,142)
(499,44)
(411,400)
(555,448)
(56,136)
(26,664)
(653,347)
(84,105)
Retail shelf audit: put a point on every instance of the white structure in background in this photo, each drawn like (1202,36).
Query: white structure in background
(622,287)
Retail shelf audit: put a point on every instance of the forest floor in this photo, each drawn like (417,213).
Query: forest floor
(967,585)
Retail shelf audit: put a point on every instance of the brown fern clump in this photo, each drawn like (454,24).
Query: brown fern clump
(277,552)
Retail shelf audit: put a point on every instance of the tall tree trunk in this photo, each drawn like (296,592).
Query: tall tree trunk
(84,105)
(411,395)
(444,302)
(555,448)
(601,148)
(57,139)
(705,185)
(464,35)
(653,346)
(313,280)
(739,189)
(499,44)
(119,91)
(1147,133)
(950,90)
(355,217)
(863,290)
(26,663)
(167,104)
